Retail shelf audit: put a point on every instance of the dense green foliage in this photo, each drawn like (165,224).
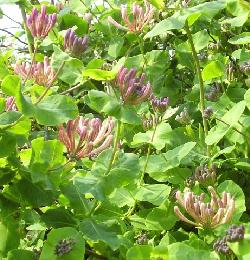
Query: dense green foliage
(120,195)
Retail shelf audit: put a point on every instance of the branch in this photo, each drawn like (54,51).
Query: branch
(4,30)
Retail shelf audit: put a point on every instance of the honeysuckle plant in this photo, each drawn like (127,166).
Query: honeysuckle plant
(108,111)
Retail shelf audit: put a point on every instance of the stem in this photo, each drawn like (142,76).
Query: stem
(115,147)
(50,85)
(202,89)
(71,89)
(148,153)
(28,34)
(142,51)
(13,35)
(32,62)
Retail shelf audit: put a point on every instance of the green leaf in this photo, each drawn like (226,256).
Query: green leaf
(46,156)
(104,103)
(55,110)
(212,70)
(57,235)
(69,20)
(243,38)
(71,72)
(247,98)
(182,251)
(153,193)
(98,74)
(115,46)
(231,117)
(3,68)
(238,195)
(169,160)
(20,254)
(139,252)
(159,4)
(9,238)
(57,218)
(8,118)
(236,21)
(99,232)
(162,130)
(201,40)
(8,141)
(177,21)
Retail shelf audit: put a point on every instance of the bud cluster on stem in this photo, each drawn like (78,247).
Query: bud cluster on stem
(84,137)
(41,72)
(139,17)
(40,24)
(159,104)
(205,214)
(75,45)
(133,89)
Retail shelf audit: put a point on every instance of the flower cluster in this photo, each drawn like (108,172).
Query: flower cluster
(214,93)
(233,234)
(159,104)
(204,175)
(221,246)
(40,24)
(10,104)
(245,67)
(58,5)
(183,118)
(133,89)
(64,246)
(208,112)
(139,17)
(86,137)
(149,122)
(41,72)
(142,239)
(205,215)
(75,45)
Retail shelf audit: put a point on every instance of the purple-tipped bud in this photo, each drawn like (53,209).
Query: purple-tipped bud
(235,233)
(159,104)
(10,104)
(40,24)
(133,89)
(74,44)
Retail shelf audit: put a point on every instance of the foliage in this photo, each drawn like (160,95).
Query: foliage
(103,129)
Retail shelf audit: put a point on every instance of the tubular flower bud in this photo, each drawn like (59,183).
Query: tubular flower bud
(235,233)
(221,246)
(183,118)
(10,104)
(139,17)
(40,23)
(75,45)
(149,122)
(213,93)
(133,89)
(159,104)
(204,175)
(205,215)
(86,137)
(208,112)
(40,72)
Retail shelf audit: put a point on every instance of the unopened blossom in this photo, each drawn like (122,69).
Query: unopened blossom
(64,246)
(75,45)
(10,104)
(139,18)
(213,93)
(184,118)
(221,246)
(208,112)
(84,137)
(58,5)
(235,233)
(41,72)
(149,122)
(245,67)
(159,104)
(205,214)
(133,89)
(40,23)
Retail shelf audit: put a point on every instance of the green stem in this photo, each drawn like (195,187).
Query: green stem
(141,45)
(28,34)
(112,159)
(148,154)
(202,89)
